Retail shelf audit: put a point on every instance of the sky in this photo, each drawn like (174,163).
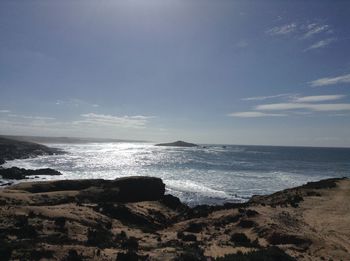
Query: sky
(206,71)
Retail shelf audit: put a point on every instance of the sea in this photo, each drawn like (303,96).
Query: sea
(208,174)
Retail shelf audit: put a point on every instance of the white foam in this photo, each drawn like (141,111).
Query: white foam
(193,187)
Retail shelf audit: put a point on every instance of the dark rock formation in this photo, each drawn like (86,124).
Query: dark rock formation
(174,203)
(178,144)
(130,189)
(284,239)
(19,173)
(14,149)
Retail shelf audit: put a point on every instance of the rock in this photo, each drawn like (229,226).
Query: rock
(173,202)
(178,144)
(134,189)
(19,173)
(284,239)
(130,189)
(13,149)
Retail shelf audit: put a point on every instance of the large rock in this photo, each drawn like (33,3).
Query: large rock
(19,173)
(178,144)
(129,189)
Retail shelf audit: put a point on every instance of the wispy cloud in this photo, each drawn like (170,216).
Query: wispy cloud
(307,106)
(282,30)
(315,28)
(261,98)
(30,117)
(319,98)
(88,124)
(331,80)
(94,119)
(74,102)
(306,32)
(321,44)
(255,114)
(304,105)
(4,111)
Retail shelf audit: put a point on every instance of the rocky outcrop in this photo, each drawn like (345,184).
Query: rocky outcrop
(14,149)
(130,189)
(19,173)
(178,144)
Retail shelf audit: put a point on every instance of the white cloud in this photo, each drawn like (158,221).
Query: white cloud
(282,30)
(321,44)
(319,98)
(331,80)
(260,98)
(314,28)
(94,119)
(4,111)
(254,114)
(87,125)
(308,106)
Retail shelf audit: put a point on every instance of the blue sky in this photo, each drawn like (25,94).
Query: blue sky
(235,72)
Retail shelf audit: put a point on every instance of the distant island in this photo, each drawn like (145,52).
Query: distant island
(178,143)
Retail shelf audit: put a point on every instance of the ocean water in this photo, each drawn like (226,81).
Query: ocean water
(203,175)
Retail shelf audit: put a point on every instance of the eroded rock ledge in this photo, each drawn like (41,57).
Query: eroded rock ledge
(132,219)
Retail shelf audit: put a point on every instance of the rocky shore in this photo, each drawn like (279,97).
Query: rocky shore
(14,149)
(132,219)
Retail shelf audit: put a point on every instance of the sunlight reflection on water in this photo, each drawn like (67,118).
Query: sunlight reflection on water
(197,175)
